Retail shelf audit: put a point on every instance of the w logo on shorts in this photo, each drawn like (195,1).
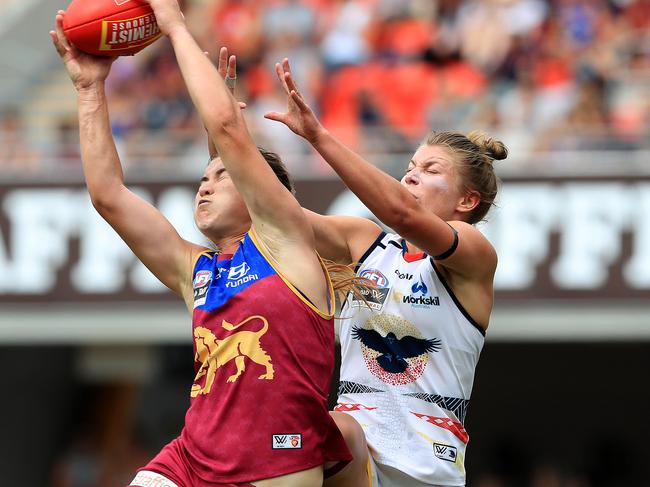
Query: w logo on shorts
(287,441)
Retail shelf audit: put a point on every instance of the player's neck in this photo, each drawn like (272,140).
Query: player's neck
(230,244)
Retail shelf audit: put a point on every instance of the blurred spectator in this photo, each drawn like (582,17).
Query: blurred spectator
(16,154)
(381,73)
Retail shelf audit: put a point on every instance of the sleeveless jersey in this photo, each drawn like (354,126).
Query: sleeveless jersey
(264,357)
(408,365)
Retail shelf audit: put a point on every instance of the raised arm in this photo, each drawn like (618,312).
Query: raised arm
(388,200)
(144,229)
(276,217)
(342,239)
(273,210)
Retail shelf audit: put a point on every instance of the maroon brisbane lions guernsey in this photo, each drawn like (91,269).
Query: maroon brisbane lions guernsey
(264,357)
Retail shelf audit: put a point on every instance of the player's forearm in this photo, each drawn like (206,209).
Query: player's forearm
(216,106)
(221,115)
(101,163)
(381,193)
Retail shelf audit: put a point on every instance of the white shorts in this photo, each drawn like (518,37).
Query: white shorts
(146,478)
(385,476)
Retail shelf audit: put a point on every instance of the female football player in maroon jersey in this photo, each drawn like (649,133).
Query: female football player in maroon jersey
(261,300)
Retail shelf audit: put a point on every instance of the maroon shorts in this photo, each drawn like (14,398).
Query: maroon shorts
(170,468)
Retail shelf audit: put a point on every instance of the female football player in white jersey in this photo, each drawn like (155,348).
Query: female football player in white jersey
(408,359)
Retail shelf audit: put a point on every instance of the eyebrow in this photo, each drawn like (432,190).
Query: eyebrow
(217,173)
(428,162)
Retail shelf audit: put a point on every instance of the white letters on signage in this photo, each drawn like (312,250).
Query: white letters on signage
(637,270)
(590,220)
(41,223)
(519,228)
(594,216)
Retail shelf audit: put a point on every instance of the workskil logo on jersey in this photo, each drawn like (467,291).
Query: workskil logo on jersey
(239,275)
(201,284)
(375,296)
(291,441)
(419,297)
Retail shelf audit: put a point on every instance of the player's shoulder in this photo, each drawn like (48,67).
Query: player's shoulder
(201,253)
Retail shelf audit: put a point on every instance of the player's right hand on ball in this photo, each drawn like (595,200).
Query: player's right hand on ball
(84,70)
(168,15)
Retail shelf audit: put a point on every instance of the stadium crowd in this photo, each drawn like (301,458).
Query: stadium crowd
(542,75)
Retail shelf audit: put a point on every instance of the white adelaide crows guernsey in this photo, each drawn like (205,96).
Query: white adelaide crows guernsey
(408,366)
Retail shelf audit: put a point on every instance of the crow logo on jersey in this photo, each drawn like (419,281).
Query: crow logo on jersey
(393,349)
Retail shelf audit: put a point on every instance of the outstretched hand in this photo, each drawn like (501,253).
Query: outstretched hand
(84,70)
(298,117)
(227,68)
(168,15)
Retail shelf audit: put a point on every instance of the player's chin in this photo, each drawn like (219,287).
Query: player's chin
(200,221)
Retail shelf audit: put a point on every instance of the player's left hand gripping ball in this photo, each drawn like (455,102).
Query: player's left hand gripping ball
(110,27)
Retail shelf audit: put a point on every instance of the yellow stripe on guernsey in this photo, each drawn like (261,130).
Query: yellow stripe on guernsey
(369,470)
(270,260)
(207,252)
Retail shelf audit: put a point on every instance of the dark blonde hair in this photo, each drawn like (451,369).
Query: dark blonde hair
(474,155)
(345,281)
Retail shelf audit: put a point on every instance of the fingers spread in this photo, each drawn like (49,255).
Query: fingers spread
(291,84)
(232,67)
(223,61)
(299,100)
(276,116)
(279,71)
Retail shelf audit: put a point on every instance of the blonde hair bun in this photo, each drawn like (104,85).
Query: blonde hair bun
(493,148)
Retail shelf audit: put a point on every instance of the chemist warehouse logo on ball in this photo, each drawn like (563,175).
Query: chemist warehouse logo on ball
(420,296)
(129,33)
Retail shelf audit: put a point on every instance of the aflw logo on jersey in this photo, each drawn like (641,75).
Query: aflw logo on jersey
(287,441)
(375,297)
(201,285)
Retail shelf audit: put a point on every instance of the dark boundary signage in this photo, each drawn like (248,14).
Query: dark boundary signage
(558,239)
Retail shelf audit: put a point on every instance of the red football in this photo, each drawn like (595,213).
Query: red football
(110,27)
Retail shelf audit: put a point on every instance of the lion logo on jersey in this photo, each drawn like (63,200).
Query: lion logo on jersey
(213,353)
